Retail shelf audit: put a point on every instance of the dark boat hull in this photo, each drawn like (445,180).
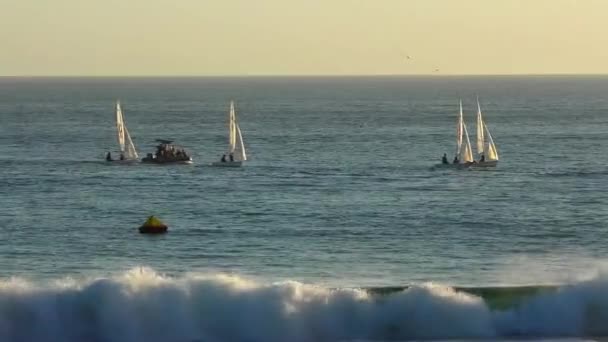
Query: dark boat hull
(166,161)
(474,165)
(488,163)
(452,166)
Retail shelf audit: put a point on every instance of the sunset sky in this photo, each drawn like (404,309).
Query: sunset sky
(302,37)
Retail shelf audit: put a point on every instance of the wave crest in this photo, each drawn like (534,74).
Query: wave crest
(141,305)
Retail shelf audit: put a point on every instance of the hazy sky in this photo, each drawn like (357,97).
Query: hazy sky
(294,37)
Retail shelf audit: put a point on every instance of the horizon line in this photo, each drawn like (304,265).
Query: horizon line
(302,75)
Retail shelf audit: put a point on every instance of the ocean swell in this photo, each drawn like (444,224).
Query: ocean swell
(141,305)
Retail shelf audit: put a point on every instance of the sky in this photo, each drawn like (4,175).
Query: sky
(302,37)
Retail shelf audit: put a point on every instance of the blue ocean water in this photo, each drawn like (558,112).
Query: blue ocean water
(338,193)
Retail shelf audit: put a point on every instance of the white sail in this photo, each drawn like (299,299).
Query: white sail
(459,132)
(492,152)
(231,129)
(240,153)
(480,131)
(467,153)
(127,148)
(130,151)
(120,130)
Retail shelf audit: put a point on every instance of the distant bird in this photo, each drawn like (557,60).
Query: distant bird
(436,70)
(408,57)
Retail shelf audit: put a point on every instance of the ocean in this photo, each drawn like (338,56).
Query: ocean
(336,229)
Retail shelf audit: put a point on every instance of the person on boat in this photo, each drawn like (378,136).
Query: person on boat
(108,156)
(483,158)
(444,159)
(122,156)
(223,158)
(456,161)
(231,157)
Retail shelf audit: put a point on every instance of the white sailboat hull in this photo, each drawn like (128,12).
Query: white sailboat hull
(227,164)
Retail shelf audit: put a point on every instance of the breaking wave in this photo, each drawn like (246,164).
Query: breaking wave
(141,305)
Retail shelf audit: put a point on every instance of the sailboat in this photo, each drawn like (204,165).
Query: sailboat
(236,154)
(464,153)
(127,148)
(489,159)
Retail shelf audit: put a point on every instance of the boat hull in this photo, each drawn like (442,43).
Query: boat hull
(228,164)
(452,166)
(488,163)
(124,161)
(156,161)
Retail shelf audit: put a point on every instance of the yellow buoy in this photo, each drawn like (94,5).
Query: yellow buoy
(153,226)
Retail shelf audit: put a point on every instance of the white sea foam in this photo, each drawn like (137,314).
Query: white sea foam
(141,305)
